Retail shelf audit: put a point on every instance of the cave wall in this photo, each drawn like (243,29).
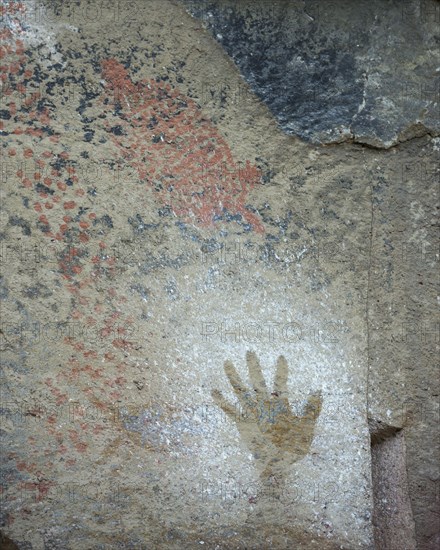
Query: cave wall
(219,274)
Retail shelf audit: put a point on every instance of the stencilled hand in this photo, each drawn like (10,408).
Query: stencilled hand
(275,436)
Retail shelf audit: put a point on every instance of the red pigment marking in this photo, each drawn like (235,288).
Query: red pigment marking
(191,152)
(177,151)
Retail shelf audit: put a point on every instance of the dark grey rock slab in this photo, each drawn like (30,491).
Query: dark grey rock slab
(338,70)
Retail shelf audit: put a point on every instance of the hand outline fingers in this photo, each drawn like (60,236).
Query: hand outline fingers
(313,406)
(281,374)
(275,436)
(256,374)
(236,383)
(223,404)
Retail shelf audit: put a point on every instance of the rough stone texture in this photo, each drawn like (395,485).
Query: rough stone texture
(336,71)
(201,315)
(404,329)
(392,519)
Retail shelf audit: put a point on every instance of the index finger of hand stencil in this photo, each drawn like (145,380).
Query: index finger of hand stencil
(280,383)
(234,378)
(255,373)
(221,402)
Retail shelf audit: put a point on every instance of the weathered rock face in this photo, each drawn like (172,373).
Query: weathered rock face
(336,71)
(207,322)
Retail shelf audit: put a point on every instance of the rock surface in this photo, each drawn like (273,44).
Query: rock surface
(205,322)
(336,71)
